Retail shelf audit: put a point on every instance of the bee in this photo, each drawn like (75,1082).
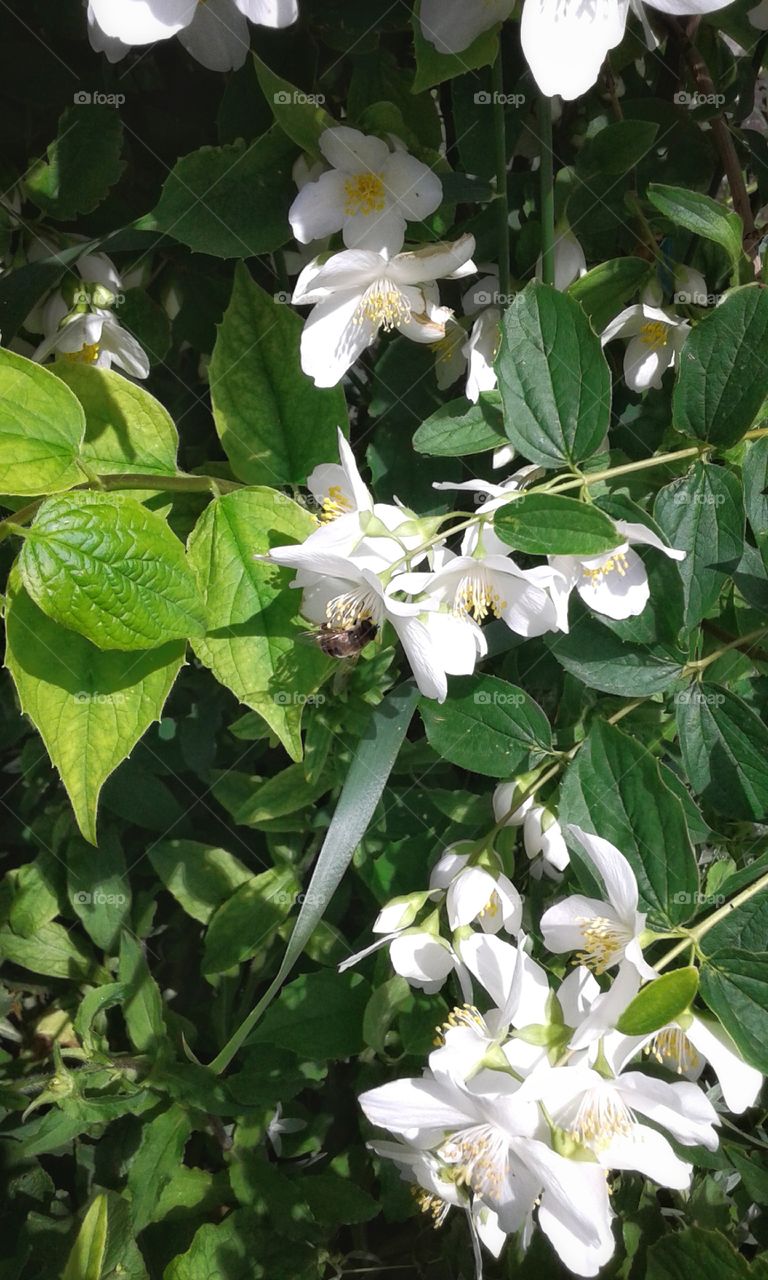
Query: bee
(343,642)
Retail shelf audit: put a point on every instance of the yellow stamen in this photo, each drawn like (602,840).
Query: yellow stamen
(347,610)
(477,597)
(335,504)
(602,1115)
(672,1048)
(88,354)
(617,563)
(431,1204)
(603,942)
(480,1155)
(654,334)
(383,304)
(465,1015)
(364,194)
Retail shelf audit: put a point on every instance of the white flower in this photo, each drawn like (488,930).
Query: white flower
(565,41)
(602,1115)
(687,1045)
(475,893)
(279,1125)
(493,586)
(338,486)
(656,338)
(368,193)
(96,338)
(570,262)
(452,25)
(423,958)
(484,1139)
(544,842)
(616,583)
(358,292)
(603,932)
(215,32)
(476,353)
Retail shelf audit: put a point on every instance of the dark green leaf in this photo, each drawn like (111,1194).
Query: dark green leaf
(734,983)
(488,726)
(725,751)
(703,515)
(544,524)
(459,429)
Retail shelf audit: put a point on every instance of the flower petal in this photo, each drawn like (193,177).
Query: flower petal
(621,591)
(218,36)
(143,21)
(614,871)
(318,209)
(415,189)
(353,152)
(565,44)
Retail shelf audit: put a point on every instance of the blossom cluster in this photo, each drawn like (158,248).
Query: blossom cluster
(533,1098)
(371,562)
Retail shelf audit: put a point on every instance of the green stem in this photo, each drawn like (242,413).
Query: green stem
(692,667)
(502,196)
(694,936)
(547,192)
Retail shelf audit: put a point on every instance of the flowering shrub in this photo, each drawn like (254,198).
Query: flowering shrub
(384,456)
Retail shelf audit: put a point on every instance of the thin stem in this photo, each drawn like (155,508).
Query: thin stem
(502,196)
(547,192)
(694,936)
(702,663)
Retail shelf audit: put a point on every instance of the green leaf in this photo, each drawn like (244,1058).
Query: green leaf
(274,424)
(334,1200)
(319,1015)
(434,68)
(82,164)
(231,202)
(544,524)
(746,927)
(659,1002)
(106,567)
(459,428)
(617,148)
(245,922)
(371,766)
(724,745)
(90,707)
(99,889)
(613,787)
(695,1252)
(608,287)
(703,515)
(200,878)
(699,214)
(253,618)
(157,1159)
(722,379)
(300,115)
(253,803)
(51,951)
(143,1004)
(554,380)
(41,429)
(734,983)
(487,726)
(126,428)
(87,1256)
(594,654)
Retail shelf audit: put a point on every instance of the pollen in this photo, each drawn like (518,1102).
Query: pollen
(477,598)
(654,334)
(617,563)
(335,504)
(433,1205)
(604,942)
(348,610)
(464,1015)
(672,1048)
(364,194)
(480,1157)
(384,305)
(88,354)
(602,1115)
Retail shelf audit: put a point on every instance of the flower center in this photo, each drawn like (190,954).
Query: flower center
(335,504)
(347,610)
(604,941)
(672,1048)
(429,1203)
(481,1156)
(602,1115)
(464,1015)
(88,354)
(654,334)
(476,597)
(364,194)
(617,563)
(384,305)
